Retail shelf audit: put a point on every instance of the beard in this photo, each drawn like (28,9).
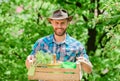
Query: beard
(59,31)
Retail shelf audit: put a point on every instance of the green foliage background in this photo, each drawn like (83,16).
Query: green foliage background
(96,23)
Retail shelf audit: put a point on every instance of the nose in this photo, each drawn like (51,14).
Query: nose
(59,25)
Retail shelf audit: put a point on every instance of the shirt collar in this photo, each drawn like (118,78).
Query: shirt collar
(66,41)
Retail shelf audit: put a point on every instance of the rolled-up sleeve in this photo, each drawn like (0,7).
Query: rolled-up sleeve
(82,52)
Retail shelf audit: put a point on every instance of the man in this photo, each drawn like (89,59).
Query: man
(60,43)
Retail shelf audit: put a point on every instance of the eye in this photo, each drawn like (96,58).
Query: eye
(63,23)
(56,23)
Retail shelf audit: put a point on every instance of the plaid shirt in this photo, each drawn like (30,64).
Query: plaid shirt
(67,50)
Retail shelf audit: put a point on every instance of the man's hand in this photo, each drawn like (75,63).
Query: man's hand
(85,64)
(30,59)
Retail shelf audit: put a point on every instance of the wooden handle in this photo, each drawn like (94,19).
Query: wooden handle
(54,58)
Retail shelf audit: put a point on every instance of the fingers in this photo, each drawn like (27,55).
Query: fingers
(82,59)
(31,58)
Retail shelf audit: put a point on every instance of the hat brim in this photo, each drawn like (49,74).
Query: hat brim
(60,18)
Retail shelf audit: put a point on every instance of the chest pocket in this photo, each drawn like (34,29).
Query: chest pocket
(46,50)
(71,51)
(70,54)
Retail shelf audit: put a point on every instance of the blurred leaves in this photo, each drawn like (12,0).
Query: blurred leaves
(22,22)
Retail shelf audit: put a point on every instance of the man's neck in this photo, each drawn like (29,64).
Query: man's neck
(59,38)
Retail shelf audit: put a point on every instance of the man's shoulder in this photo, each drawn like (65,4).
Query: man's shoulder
(46,38)
(71,39)
(74,42)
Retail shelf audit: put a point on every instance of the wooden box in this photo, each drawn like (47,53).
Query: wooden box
(56,74)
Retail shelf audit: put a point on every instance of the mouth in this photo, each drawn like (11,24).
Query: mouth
(59,31)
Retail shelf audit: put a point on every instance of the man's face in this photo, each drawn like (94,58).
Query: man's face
(59,26)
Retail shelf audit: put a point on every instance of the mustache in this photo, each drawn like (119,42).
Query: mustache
(59,28)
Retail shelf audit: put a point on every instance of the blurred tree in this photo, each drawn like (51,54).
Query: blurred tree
(96,23)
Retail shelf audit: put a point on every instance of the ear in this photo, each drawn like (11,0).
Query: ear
(70,18)
(49,20)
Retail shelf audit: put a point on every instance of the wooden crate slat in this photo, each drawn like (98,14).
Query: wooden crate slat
(55,70)
(54,76)
(58,69)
